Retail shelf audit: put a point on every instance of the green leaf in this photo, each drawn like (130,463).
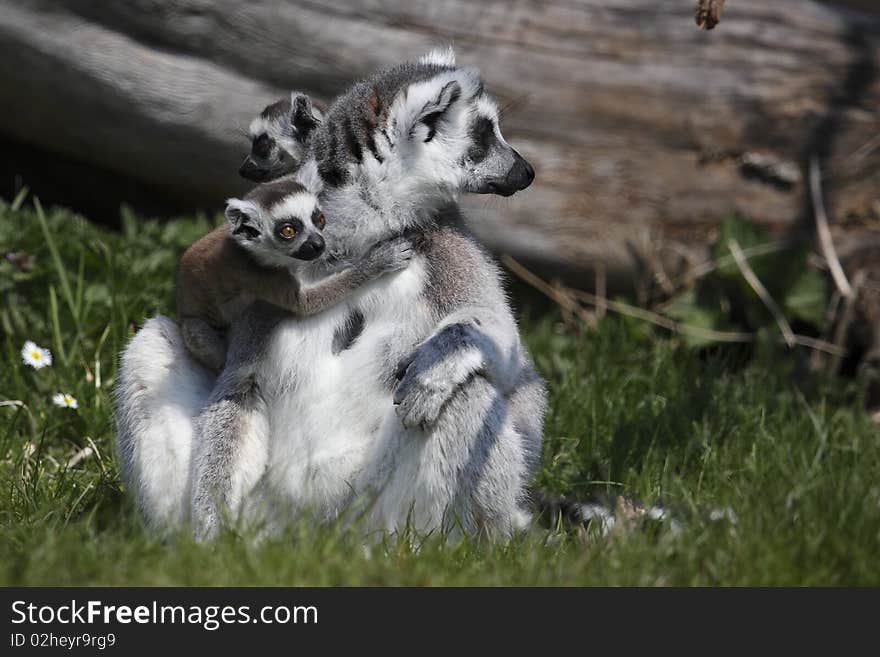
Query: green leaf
(688,309)
(807,298)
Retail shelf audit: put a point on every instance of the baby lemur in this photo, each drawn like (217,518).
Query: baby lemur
(279,137)
(260,254)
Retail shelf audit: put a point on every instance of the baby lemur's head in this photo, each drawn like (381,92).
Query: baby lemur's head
(279,138)
(278,223)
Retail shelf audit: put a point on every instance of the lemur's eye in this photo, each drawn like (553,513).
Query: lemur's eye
(286,231)
(261,145)
(320,221)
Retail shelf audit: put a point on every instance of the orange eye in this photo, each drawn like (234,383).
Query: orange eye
(320,221)
(287,231)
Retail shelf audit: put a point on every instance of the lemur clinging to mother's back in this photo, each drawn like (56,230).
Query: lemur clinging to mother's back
(279,137)
(270,234)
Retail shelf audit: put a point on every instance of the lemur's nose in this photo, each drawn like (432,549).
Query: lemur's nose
(529,172)
(311,248)
(521,173)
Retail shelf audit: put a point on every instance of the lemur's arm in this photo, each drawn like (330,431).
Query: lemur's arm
(472,340)
(308,299)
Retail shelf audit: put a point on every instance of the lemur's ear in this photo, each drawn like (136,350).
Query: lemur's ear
(419,110)
(243,218)
(303,116)
(434,110)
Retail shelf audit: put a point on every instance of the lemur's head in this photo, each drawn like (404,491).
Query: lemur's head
(279,138)
(277,222)
(421,130)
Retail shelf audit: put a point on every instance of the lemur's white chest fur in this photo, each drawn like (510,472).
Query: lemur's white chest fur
(330,420)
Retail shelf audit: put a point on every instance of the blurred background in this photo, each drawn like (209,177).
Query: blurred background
(646,132)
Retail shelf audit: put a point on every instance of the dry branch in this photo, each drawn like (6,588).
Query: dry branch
(755,283)
(846,318)
(824,232)
(568,294)
(708,266)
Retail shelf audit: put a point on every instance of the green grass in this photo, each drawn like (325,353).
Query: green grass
(631,412)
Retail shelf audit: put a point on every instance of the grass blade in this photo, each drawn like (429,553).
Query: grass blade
(58,263)
(56,326)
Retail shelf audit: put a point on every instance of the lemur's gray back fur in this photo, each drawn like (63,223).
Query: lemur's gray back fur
(349,127)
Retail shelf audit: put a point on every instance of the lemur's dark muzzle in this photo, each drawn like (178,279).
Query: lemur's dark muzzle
(311,248)
(518,177)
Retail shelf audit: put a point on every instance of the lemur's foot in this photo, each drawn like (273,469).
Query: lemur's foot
(421,394)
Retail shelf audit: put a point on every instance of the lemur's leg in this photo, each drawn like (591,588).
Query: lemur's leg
(465,474)
(527,404)
(205,343)
(492,485)
(159,391)
(472,340)
(230,451)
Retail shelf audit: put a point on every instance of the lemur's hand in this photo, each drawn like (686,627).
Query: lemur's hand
(421,393)
(430,375)
(392,255)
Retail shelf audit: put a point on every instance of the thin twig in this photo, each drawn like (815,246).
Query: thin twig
(824,232)
(846,318)
(97,453)
(556,294)
(666,322)
(817,360)
(755,283)
(865,149)
(708,266)
(624,308)
(819,345)
(651,317)
(655,263)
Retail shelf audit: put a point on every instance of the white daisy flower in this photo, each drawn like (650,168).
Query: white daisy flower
(35,356)
(64,400)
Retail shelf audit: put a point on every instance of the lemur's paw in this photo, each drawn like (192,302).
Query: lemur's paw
(418,400)
(420,405)
(394,254)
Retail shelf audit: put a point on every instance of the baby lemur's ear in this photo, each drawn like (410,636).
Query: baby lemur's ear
(304,117)
(243,218)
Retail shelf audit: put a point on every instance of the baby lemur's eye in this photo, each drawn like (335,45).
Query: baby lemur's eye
(320,221)
(286,231)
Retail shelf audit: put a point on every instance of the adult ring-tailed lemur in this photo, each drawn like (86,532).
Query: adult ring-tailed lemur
(413,397)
